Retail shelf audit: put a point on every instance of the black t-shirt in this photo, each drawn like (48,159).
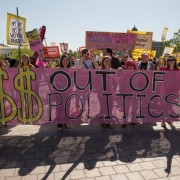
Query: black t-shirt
(143,66)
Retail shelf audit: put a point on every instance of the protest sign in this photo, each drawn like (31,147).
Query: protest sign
(64,47)
(168,51)
(113,40)
(137,53)
(163,37)
(144,39)
(51,52)
(34,40)
(35,96)
(16,30)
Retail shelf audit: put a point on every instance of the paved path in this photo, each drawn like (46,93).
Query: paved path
(90,152)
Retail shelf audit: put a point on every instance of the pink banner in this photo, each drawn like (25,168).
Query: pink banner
(114,40)
(43,96)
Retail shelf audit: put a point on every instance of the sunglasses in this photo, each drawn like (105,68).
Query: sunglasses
(170,60)
(87,54)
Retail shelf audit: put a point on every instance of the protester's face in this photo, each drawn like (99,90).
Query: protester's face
(65,62)
(87,55)
(25,59)
(124,58)
(107,62)
(73,59)
(131,67)
(144,57)
(171,61)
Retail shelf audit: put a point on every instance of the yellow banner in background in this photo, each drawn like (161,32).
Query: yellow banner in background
(139,32)
(16,30)
(137,53)
(177,56)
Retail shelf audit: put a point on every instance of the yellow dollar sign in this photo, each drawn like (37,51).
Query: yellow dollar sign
(4,97)
(22,83)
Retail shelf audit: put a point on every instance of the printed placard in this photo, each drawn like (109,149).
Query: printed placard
(51,52)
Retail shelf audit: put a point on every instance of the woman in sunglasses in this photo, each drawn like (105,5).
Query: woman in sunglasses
(171,66)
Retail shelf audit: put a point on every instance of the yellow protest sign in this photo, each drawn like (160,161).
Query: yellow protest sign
(137,53)
(143,40)
(16,30)
(167,51)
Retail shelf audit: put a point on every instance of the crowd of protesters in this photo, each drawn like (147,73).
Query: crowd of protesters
(89,61)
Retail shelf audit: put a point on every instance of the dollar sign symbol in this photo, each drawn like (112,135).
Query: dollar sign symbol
(4,97)
(22,83)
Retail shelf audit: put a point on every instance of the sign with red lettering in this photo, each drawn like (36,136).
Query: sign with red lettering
(51,52)
(114,40)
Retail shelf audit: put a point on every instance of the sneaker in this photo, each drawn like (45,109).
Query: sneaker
(163,124)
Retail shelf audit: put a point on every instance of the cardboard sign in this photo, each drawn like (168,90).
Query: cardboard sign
(51,52)
(137,53)
(113,40)
(168,51)
(16,30)
(144,39)
(34,40)
(64,47)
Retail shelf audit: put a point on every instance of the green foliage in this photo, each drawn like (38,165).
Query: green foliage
(24,50)
(174,42)
(73,53)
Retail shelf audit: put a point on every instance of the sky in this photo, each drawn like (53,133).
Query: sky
(68,20)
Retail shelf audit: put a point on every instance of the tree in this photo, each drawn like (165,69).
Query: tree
(174,42)
(24,50)
(73,53)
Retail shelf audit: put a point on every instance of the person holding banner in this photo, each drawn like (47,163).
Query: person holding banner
(144,64)
(2,64)
(115,64)
(26,62)
(171,66)
(86,62)
(130,64)
(106,64)
(64,63)
(124,58)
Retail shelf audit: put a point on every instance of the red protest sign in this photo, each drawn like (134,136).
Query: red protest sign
(51,52)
